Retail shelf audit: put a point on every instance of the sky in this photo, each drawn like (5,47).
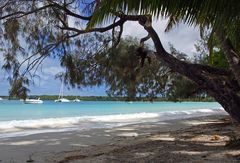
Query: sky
(182,37)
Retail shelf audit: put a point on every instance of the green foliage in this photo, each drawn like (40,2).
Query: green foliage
(83,64)
(11,32)
(19,88)
(119,69)
(180,87)
(126,77)
(210,55)
(28,40)
(219,60)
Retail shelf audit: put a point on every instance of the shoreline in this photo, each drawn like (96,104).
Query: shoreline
(21,128)
(86,145)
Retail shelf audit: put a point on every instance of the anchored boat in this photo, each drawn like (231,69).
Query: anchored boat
(33,101)
(60,97)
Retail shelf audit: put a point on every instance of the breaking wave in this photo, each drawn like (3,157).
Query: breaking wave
(16,128)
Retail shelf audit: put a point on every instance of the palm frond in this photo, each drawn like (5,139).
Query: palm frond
(207,12)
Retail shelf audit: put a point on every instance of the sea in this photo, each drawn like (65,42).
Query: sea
(19,119)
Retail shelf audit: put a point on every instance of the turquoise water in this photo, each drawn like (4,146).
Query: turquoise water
(19,119)
(17,110)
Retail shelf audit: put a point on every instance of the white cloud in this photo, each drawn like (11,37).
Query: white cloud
(182,37)
(52,70)
(45,75)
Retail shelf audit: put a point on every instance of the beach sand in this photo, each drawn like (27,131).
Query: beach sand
(201,139)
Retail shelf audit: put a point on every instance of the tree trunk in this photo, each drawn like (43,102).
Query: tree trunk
(225,91)
(230,101)
(219,83)
(131,90)
(232,56)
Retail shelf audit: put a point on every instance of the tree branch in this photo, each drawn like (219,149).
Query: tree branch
(69,12)
(144,39)
(101,30)
(20,14)
(4,5)
(174,63)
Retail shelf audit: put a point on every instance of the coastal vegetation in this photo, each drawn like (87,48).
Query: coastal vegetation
(108,98)
(47,31)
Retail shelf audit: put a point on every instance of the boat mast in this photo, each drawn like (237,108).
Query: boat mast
(61,91)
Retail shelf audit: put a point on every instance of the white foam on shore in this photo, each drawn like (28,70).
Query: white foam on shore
(17,128)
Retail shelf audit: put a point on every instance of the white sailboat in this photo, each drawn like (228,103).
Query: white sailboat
(1,98)
(60,97)
(33,101)
(76,100)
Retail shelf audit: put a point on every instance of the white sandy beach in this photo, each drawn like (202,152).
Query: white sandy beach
(101,144)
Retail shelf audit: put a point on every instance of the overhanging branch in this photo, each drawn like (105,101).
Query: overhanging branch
(20,14)
(101,30)
(69,12)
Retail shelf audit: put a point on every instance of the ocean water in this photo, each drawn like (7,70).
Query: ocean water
(19,119)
